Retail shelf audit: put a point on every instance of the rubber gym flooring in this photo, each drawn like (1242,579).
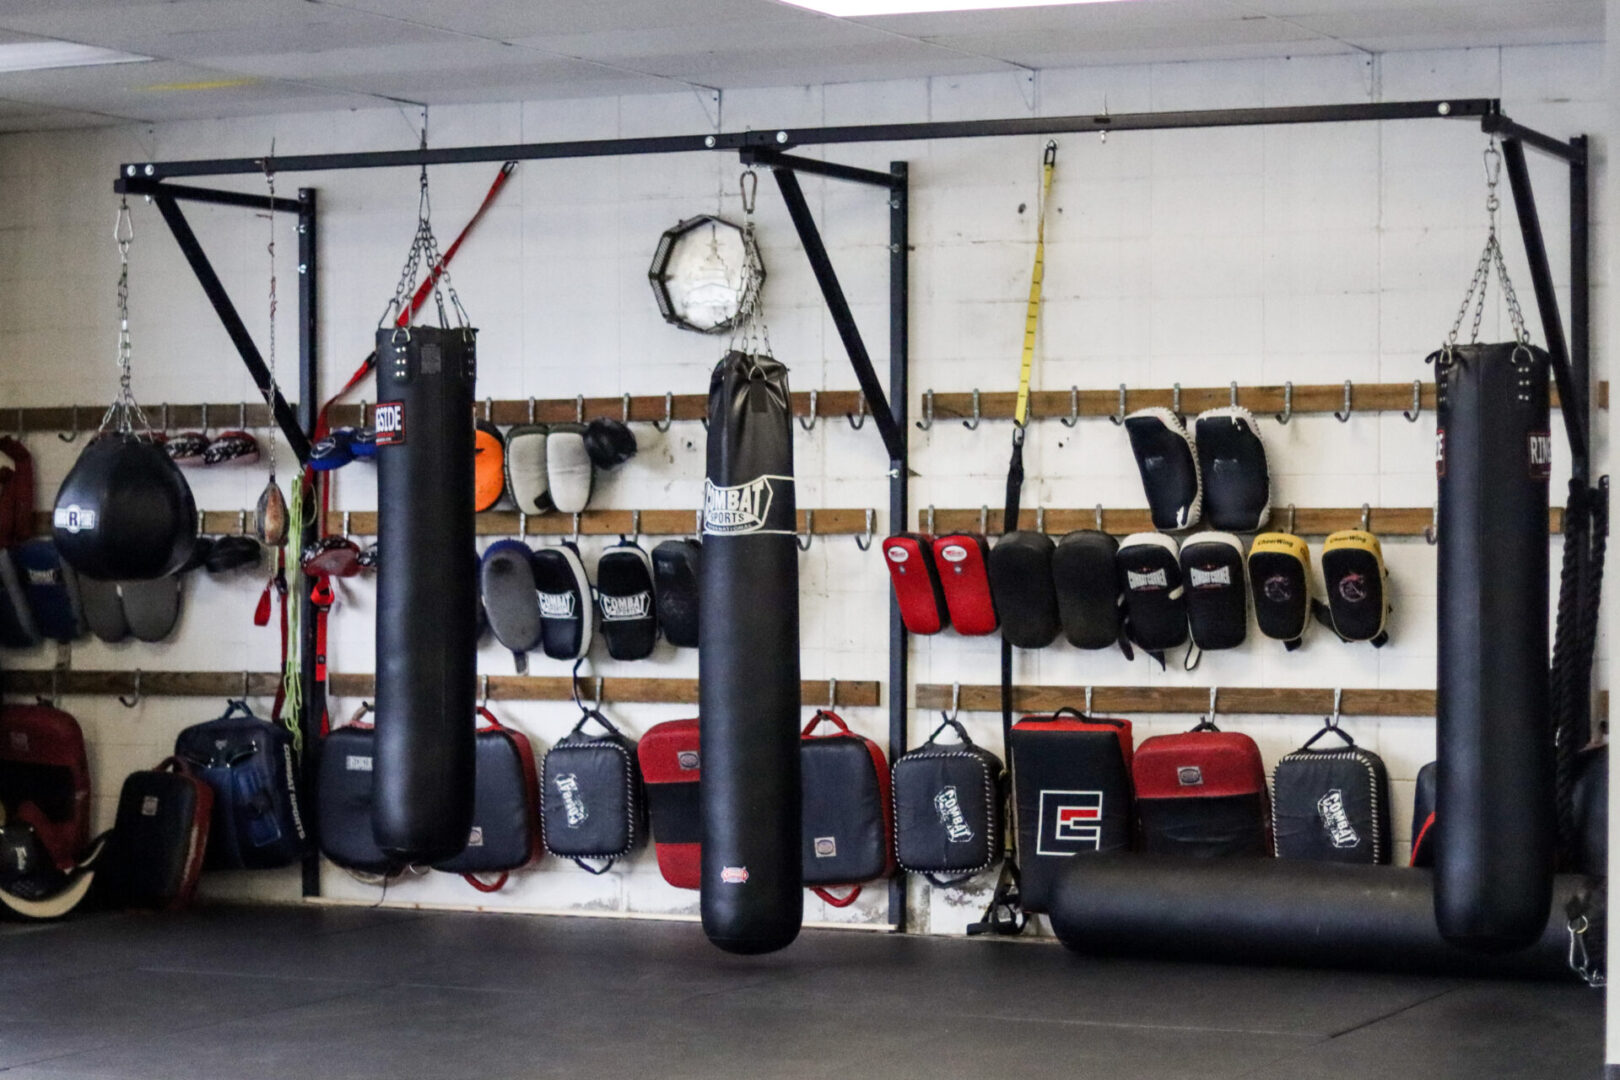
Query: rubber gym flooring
(338,993)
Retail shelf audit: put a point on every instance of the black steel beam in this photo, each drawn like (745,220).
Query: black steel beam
(143,186)
(830,169)
(1580,276)
(1497,124)
(782,139)
(899,473)
(877,402)
(215,289)
(313,707)
(1552,326)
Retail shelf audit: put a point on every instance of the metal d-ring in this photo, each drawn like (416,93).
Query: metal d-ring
(669,412)
(811,425)
(1288,404)
(1344,416)
(126,702)
(809,536)
(73,434)
(973,424)
(928,411)
(1074,408)
(1431,531)
(1119,419)
(865,543)
(1416,410)
(858,421)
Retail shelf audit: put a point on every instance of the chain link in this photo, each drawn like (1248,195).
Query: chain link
(750,333)
(424,248)
(1490,257)
(274,391)
(124,415)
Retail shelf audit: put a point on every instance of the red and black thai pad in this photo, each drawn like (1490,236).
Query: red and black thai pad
(505,834)
(1202,793)
(848,830)
(672,769)
(45,778)
(1071,795)
(917,589)
(160,837)
(963,560)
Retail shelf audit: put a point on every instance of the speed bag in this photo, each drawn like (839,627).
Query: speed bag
(917,588)
(848,810)
(672,770)
(1021,585)
(948,800)
(1155,591)
(1202,793)
(1217,595)
(1357,586)
(963,560)
(624,598)
(567,613)
(677,565)
(592,806)
(1071,795)
(1280,582)
(343,801)
(1331,805)
(45,778)
(159,837)
(1086,582)
(124,512)
(505,833)
(258,820)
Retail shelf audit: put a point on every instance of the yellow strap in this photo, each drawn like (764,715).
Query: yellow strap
(1032,314)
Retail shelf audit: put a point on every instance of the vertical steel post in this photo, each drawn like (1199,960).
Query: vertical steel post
(899,474)
(309,404)
(1580,312)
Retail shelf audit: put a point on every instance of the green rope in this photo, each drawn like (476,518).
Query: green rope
(292,674)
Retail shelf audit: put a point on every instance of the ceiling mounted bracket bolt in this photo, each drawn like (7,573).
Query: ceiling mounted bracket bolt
(781,137)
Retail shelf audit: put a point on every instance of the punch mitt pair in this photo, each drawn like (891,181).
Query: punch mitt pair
(143,610)
(1042,588)
(543,600)
(1215,474)
(1173,592)
(1353,570)
(547,467)
(942,581)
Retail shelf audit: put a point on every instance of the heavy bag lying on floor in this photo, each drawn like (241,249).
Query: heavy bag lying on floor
(1357,586)
(159,837)
(1202,793)
(1169,467)
(1232,467)
(1280,581)
(1331,805)
(672,771)
(963,561)
(506,582)
(1155,592)
(258,820)
(677,567)
(948,800)
(567,614)
(748,667)
(124,513)
(1021,583)
(505,833)
(624,596)
(1494,859)
(848,830)
(45,778)
(1071,794)
(592,806)
(1086,581)
(1217,595)
(1276,911)
(344,798)
(427,592)
(917,589)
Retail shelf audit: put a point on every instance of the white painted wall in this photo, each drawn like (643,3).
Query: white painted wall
(1313,254)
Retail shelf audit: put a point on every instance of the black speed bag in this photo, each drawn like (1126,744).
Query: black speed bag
(1021,588)
(124,513)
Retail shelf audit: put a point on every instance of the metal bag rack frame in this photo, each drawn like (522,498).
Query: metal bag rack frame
(769,148)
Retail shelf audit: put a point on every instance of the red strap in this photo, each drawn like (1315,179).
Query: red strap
(487,886)
(322,597)
(280,583)
(489,717)
(1417,845)
(829,716)
(261,613)
(839,901)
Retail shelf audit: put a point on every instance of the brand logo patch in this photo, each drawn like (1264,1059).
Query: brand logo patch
(149,806)
(949,809)
(953,553)
(1210,578)
(389,419)
(1541,452)
(621,608)
(1071,822)
(1278,589)
(74,518)
(475,838)
(557,605)
(742,508)
(357,763)
(567,786)
(687,760)
(1353,587)
(1190,776)
(1153,579)
(826,847)
(734,875)
(1330,809)
(898,554)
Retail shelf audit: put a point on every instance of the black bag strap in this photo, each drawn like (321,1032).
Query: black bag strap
(579,861)
(611,732)
(1083,718)
(1336,729)
(955,725)
(1005,915)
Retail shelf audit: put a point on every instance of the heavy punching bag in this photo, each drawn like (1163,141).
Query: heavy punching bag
(748,662)
(427,593)
(1495,855)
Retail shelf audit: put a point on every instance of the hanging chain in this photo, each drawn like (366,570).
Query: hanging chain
(124,415)
(1490,257)
(424,248)
(750,333)
(274,391)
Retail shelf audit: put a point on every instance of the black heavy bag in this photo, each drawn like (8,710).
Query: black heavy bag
(748,667)
(124,512)
(1021,585)
(1494,858)
(427,593)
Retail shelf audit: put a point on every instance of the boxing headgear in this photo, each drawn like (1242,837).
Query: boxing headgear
(609,443)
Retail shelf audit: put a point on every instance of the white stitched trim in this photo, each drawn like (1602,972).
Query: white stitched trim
(991,842)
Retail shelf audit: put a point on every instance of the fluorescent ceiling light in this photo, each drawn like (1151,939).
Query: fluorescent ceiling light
(854,9)
(44,54)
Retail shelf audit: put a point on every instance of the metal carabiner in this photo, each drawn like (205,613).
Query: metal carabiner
(748,188)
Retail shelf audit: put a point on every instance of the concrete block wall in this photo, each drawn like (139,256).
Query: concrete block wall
(1311,254)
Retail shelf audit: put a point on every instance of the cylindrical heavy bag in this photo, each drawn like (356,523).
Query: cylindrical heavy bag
(1274,911)
(1494,857)
(124,513)
(427,593)
(748,667)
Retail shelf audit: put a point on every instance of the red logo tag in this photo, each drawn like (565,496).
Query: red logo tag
(389,417)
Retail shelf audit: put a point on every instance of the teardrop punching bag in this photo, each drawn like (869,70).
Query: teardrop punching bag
(427,593)
(124,512)
(748,662)
(1495,854)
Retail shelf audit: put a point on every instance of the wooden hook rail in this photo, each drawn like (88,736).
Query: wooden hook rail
(1308,520)
(221,684)
(1263,401)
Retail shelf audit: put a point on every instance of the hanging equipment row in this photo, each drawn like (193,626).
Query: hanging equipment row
(1305,520)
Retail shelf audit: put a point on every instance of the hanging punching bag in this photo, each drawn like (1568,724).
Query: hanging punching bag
(748,662)
(427,593)
(124,512)
(1494,858)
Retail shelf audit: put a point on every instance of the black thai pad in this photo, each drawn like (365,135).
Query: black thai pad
(624,597)
(1169,467)
(1155,593)
(1232,467)
(566,610)
(1086,580)
(1021,586)
(1217,595)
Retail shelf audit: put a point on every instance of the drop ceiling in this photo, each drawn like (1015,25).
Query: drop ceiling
(215,58)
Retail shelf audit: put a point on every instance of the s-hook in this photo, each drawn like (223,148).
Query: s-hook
(1074,408)
(1416,410)
(1288,404)
(928,410)
(1344,416)
(669,412)
(809,426)
(865,542)
(126,702)
(809,536)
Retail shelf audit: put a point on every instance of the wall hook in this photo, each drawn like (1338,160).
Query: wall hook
(1175,398)
(20,431)
(858,421)
(489,408)
(624,408)
(576,526)
(812,418)
(697,520)
(1234,394)
(531,411)
(635,526)
(74,433)
(865,542)
(832,694)
(1088,701)
(362,414)
(1416,410)
(1431,531)
(928,410)
(523,524)
(984,521)
(1290,517)
(126,702)
(956,700)
(1344,417)
(1097,518)
(241,416)
(56,692)
(205,418)
(579,408)
(809,535)
(1288,404)
(1366,517)
(483,691)
(1338,700)
(241,523)
(1040,519)
(669,412)
(1214,692)
(1074,408)
(345,524)
(246,687)
(973,424)
(1119,419)
(928,521)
